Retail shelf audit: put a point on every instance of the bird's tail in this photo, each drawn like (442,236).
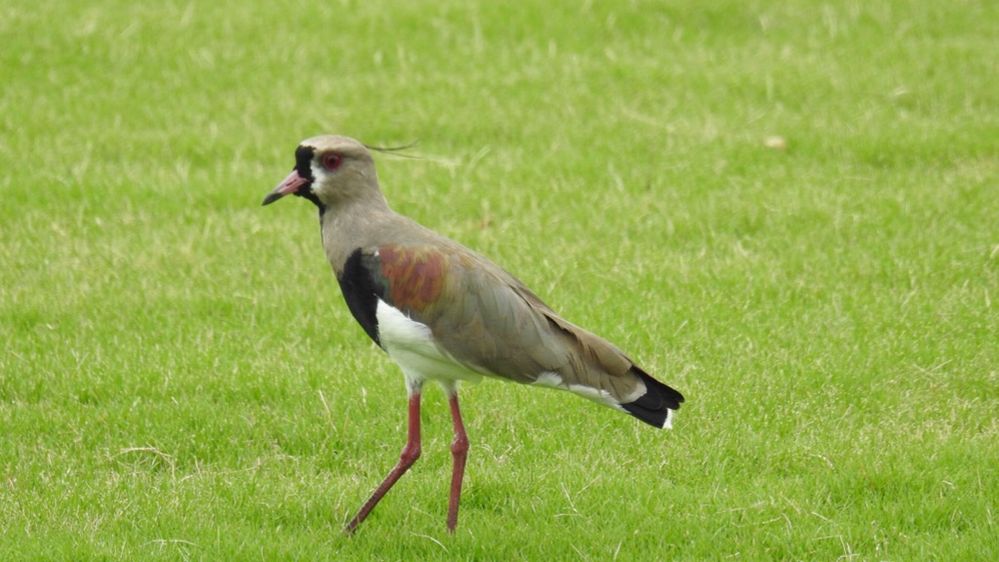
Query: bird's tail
(657,405)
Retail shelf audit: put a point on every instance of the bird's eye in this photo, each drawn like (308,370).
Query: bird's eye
(331,161)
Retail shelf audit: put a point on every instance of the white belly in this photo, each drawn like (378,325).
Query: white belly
(411,345)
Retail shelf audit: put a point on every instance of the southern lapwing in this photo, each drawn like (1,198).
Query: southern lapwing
(444,313)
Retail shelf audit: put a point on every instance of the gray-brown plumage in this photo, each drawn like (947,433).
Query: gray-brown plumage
(445,313)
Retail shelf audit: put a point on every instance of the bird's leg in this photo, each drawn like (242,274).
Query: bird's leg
(459,449)
(410,453)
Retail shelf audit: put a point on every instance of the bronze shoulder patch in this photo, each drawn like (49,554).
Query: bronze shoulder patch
(414,275)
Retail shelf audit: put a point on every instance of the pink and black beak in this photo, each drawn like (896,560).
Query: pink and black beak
(290,184)
(299,180)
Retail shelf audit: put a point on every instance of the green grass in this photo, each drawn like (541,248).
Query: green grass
(180,379)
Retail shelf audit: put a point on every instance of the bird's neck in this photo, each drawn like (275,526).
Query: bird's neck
(357,223)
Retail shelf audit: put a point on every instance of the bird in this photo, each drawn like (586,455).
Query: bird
(447,314)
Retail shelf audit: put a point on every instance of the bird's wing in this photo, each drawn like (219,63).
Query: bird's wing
(483,317)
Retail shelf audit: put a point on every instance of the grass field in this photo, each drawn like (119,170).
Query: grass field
(180,379)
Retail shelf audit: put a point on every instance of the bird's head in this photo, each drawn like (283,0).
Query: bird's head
(329,170)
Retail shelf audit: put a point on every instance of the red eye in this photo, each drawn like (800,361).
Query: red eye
(331,161)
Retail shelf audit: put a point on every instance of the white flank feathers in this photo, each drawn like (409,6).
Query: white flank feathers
(552,380)
(411,345)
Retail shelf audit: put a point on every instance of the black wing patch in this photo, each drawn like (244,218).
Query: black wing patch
(361,289)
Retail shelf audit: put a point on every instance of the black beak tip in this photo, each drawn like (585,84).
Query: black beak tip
(271,197)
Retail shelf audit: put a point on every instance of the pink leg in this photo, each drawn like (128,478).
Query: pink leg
(410,453)
(459,449)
